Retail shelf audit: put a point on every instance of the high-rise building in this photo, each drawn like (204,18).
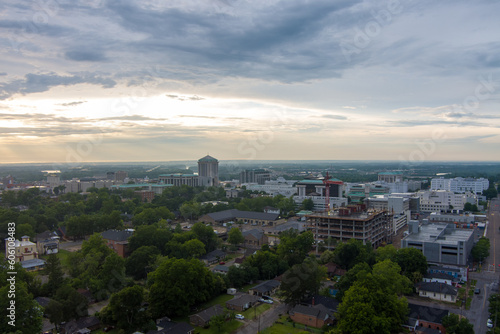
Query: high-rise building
(208,171)
(259,176)
(121,175)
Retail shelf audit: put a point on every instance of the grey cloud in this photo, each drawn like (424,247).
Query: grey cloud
(71,104)
(91,56)
(457,114)
(35,83)
(185,98)
(339,117)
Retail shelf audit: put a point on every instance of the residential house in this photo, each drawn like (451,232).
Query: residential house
(422,318)
(241,302)
(313,316)
(437,291)
(330,303)
(439,278)
(255,238)
(333,270)
(220,269)
(117,240)
(47,243)
(213,257)
(202,319)
(81,326)
(24,249)
(33,264)
(167,326)
(265,288)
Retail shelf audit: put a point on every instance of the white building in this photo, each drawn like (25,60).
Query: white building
(444,200)
(460,184)
(279,186)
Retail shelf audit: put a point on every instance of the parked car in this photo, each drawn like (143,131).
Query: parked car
(267,301)
(222,262)
(489,324)
(239,317)
(477,291)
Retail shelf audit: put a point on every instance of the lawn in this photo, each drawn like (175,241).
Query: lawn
(253,312)
(247,287)
(228,327)
(221,300)
(283,326)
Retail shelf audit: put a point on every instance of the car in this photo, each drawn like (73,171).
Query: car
(268,301)
(222,262)
(489,324)
(477,291)
(239,317)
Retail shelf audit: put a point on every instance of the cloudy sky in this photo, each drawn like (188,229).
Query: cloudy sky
(112,80)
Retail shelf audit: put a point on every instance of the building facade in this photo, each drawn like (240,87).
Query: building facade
(208,171)
(259,176)
(460,185)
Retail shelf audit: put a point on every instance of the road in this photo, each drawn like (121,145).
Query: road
(478,312)
(263,321)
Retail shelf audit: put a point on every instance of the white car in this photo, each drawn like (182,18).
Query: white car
(489,324)
(239,317)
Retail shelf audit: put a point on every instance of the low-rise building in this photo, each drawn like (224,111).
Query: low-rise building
(23,250)
(117,240)
(421,317)
(250,217)
(265,288)
(213,257)
(314,316)
(255,238)
(47,243)
(440,243)
(437,291)
(242,302)
(202,319)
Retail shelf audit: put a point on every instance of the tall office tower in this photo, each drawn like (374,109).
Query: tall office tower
(208,171)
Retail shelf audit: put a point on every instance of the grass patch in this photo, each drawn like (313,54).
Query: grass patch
(283,326)
(253,312)
(221,300)
(247,287)
(228,327)
(473,282)
(468,302)
(461,296)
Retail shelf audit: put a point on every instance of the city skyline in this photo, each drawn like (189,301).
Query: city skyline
(283,80)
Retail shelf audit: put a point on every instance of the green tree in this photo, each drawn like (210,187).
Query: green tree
(351,276)
(56,275)
(193,248)
(235,237)
(27,317)
(150,235)
(140,262)
(74,304)
(55,312)
(307,204)
(348,254)
(206,235)
(111,277)
(481,249)
(294,246)
(454,325)
(302,281)
(126,309)
(411,260)
(386,252)
(177,284)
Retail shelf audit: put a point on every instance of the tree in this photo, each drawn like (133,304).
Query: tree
(295,246)
(454,325)
(150,235)
(74,304)
(217,321)
(302,281)
(27,317)
(471,207)
(308,204)
(126,309)
(140,262)
(193,248)
(235,236)
(55,271)
(55,312)
(111,277)
(371,305)
(206,235)
(347,255)
(481,249)
(411,260)
(352,275)
(177,284)
(386,252)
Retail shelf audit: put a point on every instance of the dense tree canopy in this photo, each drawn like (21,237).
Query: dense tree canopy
(481,249)
(348,254)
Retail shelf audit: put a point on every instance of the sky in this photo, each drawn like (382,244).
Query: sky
(112,80)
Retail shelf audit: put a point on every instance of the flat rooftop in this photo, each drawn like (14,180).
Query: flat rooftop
(434,233)
(365,215)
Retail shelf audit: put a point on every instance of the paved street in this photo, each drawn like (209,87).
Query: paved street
(265,320)
(478,312)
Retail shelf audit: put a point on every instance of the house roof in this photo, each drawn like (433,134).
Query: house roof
(220,267)
(430,314)
(234,213)
(47,235)
(438,276)
(426,330)
(86,322)
(32,263)
(318,311)
(208,158)
(117,235)
(242,300)
(213,255)
(205,315)
(43,301)
(328,302)
(170,327)
(257,234)
(438,288)
(239,260)
(334,269)
(266,286)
